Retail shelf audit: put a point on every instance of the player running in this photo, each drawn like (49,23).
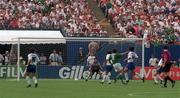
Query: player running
(33,59)
(166,56)
(108,68)
(158,75)
(130,64)
(90,61)
(115,58)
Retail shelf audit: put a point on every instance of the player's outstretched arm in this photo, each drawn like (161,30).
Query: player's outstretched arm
(124,53)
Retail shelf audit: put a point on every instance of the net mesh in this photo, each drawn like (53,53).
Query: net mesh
(74,52)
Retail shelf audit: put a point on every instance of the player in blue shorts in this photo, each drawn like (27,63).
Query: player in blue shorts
(130,64)
(158,74)
(33,59)
(108,68)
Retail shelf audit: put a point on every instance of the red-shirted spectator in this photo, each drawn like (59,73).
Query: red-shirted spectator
(14,23)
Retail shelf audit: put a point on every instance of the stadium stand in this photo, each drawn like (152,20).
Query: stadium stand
(156,20)
(74,17)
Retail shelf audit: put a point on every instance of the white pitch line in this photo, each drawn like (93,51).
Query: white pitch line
(138,93)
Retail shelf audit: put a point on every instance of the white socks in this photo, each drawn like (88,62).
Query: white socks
(155,79)
(34,79)
(139,75)
(106,77)
(28,80)
(160,78)
(126,76)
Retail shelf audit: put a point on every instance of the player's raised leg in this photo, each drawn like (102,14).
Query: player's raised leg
(108,68)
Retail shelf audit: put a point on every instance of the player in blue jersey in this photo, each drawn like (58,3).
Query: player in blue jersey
(33,59)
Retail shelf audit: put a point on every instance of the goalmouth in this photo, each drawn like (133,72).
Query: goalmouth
(75,42)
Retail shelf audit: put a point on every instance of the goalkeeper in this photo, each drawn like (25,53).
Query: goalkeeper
(115,58)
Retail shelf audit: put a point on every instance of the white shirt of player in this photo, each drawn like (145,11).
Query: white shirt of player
(33,58)
(132,56)
(153,61)
(108,56)
(112,57)
(90,60)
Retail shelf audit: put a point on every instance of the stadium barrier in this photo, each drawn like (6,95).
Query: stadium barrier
(49,72)
(149,73)
(74,72)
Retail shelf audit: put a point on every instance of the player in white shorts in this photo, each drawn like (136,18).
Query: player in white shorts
(115,58)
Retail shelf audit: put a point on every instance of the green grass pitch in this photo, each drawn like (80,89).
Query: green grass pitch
(90,89)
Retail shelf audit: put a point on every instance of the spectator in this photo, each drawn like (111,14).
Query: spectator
(1,59)
(53,58)
(7,58)
(81,56)
(43,59)
(13,58)
(153,61)
(60,58)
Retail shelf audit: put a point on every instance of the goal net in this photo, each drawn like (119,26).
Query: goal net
(72,55)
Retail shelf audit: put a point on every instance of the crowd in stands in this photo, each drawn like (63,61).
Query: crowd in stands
(156,20)
(71,16)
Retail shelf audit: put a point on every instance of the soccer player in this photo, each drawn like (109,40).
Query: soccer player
(115,57)
(33,59)
(158,75)
(130,64)
(108,68)
(90,62)
(166,56)
(94,68)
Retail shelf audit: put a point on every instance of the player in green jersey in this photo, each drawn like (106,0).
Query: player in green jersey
(115,60)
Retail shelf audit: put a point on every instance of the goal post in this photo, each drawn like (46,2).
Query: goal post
(72,44)
(32,40)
